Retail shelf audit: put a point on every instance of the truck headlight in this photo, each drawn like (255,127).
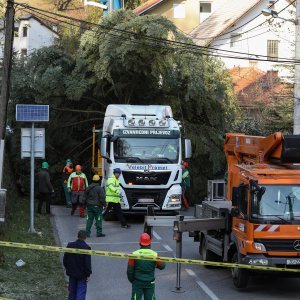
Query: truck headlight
(259,246)
(175,198)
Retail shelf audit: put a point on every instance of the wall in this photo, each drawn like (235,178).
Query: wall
(192,12)
(38,36)
(255,41)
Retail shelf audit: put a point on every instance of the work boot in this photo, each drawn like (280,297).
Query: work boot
(73,209)
(101,235)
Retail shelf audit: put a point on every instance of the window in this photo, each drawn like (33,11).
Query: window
(243,195)
(205,10)
(272,51)
(235,40)
(16,31)
(25,31)
(23,52)
(179,10)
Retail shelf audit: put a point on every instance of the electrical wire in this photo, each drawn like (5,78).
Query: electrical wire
(185,46)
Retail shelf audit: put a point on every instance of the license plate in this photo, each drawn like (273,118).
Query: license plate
(146,200)
(293,261)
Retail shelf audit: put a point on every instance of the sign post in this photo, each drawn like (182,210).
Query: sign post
(36,147)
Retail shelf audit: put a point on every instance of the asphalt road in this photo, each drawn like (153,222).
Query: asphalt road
(109,280)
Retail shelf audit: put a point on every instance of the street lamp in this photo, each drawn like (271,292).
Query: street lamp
(270,12)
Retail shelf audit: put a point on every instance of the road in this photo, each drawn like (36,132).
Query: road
(109,280)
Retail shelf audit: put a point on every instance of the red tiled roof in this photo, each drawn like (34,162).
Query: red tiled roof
(146,6)
(255,86)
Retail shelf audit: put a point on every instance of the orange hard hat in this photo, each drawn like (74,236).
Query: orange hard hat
(78,168)
(186,164)
(145,239)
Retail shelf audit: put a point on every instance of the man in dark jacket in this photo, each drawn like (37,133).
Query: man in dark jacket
(44,188)
(94,198)
(78,268)
(141,272)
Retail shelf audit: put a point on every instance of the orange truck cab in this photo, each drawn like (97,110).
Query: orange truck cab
(263,186)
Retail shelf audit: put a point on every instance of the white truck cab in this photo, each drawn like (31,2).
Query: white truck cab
(144,141)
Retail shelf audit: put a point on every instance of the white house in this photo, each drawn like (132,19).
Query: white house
(31,34)
(239,26)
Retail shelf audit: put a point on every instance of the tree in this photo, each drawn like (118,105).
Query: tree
(116,67)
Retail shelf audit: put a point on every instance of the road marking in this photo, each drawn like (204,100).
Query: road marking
(202,285)
(168,248)
(155,234)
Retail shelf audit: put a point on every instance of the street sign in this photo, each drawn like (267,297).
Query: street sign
(32,113)
(39,142)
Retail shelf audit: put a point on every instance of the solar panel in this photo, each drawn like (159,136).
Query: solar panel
(32,113)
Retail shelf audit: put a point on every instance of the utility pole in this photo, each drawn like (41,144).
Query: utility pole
(111,5)
(297,72)
(7,62)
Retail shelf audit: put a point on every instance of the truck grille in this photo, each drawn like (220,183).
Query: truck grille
(280,245)
(141,199)
(139,178)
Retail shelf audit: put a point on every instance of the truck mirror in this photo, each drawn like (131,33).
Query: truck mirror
(235,196)
(188,148)
(103,149)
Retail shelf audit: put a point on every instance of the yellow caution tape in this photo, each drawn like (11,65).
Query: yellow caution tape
(133,256)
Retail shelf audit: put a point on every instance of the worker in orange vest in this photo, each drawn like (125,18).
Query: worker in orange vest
(77,183)
(67,171)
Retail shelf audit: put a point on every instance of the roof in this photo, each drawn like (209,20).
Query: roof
(147,6)
(252,86)
(221,19)
(43,23)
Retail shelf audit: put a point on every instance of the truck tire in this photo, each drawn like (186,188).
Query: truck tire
(207,254)
(239,276)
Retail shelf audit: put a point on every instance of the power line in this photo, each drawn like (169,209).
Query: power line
(185,46)
(195,38)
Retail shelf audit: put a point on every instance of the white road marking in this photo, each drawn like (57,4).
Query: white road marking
(155,234)
(202,285)
(168,248)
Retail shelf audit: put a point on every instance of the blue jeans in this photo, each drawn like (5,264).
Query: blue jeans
(77,288)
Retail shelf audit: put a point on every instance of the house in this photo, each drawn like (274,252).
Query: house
(31,33)
(254,87)
(239,29)
(185,14)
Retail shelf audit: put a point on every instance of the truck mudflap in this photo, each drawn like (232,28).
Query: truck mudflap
(280,262)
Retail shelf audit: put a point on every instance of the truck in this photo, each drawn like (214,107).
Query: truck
(258,220)
(145,142)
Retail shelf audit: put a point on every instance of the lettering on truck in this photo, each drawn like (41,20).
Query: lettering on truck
(146,167)
(141,131)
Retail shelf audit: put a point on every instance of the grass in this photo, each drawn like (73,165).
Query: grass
(42,276)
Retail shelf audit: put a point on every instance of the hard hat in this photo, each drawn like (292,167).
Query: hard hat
(68,160)
(96,177)
(145,239)
(117,171)
(78,168)
(45,165)
(186,164)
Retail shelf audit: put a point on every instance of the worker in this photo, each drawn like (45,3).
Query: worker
(77,183)
(45,188)
(113,196)
(67,171)
(94,198)
(170,152)
(141,272)
(186,183)
(78,268)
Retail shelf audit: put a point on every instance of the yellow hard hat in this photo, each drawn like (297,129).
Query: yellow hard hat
(96,177)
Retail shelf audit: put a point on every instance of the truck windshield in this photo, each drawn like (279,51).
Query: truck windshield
(146,150)
(281,202)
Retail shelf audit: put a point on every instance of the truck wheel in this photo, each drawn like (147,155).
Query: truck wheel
(207,254)
(239,276)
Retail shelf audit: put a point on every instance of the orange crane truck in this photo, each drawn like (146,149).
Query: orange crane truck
(261,212)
